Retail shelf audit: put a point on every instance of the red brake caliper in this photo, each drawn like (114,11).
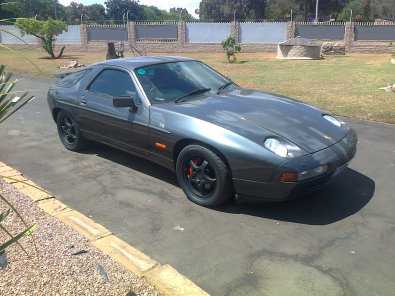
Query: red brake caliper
(190,168)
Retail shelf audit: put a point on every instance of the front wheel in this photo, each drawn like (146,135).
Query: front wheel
(203,176)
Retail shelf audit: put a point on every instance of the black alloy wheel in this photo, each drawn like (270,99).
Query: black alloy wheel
(69,132)
(203,176)
(200,176)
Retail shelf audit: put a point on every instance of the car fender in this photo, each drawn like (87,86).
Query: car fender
(246,158)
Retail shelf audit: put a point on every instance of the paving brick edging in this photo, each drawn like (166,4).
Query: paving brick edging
(164,277)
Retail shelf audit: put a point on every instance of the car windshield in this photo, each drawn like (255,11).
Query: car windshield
(179,80)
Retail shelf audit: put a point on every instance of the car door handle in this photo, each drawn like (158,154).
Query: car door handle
(83,102)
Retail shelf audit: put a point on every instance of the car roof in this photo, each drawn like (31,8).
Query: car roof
(141,61)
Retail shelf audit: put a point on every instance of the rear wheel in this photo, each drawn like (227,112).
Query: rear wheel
(69,132)
(203,176)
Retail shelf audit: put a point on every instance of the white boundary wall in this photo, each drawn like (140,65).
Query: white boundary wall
(207,32)
(270,33)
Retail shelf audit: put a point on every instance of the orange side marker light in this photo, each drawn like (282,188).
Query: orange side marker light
(160,146)
(288,177)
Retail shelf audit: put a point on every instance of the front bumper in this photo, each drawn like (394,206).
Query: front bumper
(336,157)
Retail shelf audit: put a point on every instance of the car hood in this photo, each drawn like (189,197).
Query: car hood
(257,115)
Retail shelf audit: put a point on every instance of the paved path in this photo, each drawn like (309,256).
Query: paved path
(339,242)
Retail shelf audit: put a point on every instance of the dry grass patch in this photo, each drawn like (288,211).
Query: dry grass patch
(347,86)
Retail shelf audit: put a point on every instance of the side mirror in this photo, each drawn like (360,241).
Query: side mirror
(122,102)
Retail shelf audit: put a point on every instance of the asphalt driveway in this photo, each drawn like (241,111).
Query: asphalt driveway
(337,242)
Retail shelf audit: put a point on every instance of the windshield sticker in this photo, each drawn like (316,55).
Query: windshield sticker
(141,72)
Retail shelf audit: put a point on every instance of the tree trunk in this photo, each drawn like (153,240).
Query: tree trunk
(61,52)
(111,52)
(48,45)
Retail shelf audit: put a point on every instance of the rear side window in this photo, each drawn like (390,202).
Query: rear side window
(116,83)
(72,79)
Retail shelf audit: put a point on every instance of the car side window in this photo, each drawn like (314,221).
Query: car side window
(116,83)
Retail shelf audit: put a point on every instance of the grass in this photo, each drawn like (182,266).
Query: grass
(344,85)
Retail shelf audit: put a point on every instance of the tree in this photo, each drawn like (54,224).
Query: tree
(112,53)
(74,12)
(303,9)
(281,9)
(41,9)
(46,31)
(5,11)
(152,13)
(180,13)
(95,12)
(362,10)
(116,9)
(224,10)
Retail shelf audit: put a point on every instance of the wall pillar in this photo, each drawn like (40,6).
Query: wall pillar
(131,34)
(291,30)
(349,36)
(84,36)
(182,33)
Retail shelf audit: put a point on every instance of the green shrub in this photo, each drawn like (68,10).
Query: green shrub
(231,47)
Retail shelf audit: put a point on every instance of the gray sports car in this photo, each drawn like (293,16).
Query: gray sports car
(220,139)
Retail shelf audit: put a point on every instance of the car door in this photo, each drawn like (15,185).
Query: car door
(117,126)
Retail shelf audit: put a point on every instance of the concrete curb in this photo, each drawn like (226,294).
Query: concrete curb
(164,277)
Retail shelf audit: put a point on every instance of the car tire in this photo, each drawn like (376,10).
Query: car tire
(196,163)
(69,132)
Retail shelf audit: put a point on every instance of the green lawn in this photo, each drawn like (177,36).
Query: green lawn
(347,85)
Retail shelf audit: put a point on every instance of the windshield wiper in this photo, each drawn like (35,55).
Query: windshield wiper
(194,92)
(222,87)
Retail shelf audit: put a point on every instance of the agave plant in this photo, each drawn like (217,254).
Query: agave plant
(10,102)
(13,239)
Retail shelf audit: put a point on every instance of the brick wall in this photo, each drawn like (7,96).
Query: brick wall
(186,43)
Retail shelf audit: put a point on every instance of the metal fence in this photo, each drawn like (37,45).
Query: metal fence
(266,32)
(156,31)
(374,32)
(332,31)
(107,33)
(207,32)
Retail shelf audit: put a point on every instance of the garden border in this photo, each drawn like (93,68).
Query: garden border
(165,278)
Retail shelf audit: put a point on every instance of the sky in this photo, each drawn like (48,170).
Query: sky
(191,5)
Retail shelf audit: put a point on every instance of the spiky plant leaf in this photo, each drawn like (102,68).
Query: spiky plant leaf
(22,102)
(10,102)
(27,231)
(25,183)
(11,206)
(10,235)
(4,215)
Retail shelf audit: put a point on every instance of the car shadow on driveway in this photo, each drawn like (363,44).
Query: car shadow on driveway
(344,196)
(133,162)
